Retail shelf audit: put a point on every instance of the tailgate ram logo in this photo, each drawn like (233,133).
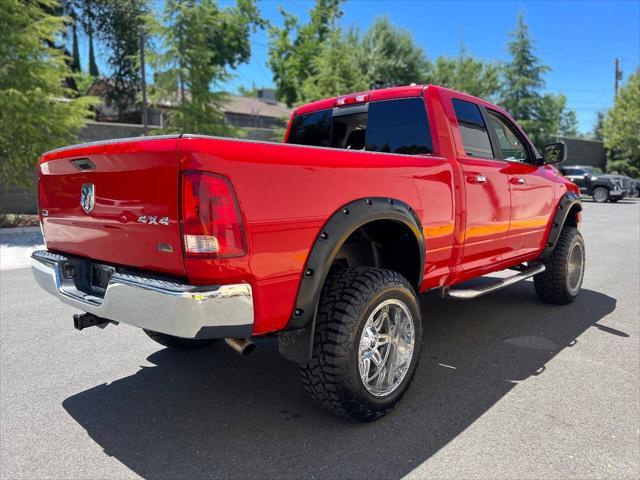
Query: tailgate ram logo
(88,197)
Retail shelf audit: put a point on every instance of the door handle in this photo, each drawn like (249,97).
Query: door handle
(477,179)
(519,180)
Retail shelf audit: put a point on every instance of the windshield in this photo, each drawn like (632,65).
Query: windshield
(393,126)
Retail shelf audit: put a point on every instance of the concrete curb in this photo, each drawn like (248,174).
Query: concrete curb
(19,230)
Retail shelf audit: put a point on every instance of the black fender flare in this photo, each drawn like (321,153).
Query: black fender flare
(296,341)
(568,201)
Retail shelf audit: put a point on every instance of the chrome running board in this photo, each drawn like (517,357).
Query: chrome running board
(476,292)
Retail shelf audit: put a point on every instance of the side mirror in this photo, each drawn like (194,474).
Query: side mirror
(554,153)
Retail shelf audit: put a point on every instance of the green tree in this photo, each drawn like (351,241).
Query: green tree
(599,125)
(194,59)
(294,46)
(389,56)
(540,115)
(621,130)
(569,125)
(119,24)
(335,69)
(82,12)
(523,79)
(35,115)
(466,74)
(75,62)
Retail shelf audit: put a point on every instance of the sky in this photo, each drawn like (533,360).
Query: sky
(578,40)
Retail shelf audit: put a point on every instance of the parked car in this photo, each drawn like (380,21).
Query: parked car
(602,187)
(323,241)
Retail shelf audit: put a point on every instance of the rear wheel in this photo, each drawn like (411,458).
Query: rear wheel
(178,343)
(600,194)
(367,343)
(561,282)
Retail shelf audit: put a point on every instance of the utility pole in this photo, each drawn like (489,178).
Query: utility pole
(618,76)
(143,85)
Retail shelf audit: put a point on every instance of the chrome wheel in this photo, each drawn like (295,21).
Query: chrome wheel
(575,268)
(386,347)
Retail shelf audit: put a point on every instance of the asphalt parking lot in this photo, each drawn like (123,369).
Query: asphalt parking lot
(508,387)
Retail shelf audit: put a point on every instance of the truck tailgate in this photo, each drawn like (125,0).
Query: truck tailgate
(115,202)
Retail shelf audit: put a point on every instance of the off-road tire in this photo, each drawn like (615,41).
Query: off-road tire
(602,199)
(178,343)
(332,375)
(553,285)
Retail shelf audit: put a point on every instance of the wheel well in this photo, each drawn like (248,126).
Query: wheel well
(385,244)
(573,216)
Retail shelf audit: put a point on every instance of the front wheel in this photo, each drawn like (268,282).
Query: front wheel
(367,343)
(561,282)
(600,195)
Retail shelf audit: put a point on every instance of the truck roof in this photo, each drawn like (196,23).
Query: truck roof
(384,94)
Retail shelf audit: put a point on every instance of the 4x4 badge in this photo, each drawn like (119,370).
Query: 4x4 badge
(88,197)
(153,220)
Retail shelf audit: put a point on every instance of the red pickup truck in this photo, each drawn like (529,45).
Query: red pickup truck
(323,241)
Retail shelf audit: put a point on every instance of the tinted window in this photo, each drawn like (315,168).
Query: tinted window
(398,126)
(394,126)
(510,142)
(312,129)
(473,129)
(349,131)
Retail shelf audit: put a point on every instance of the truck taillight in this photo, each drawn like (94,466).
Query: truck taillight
(211,221)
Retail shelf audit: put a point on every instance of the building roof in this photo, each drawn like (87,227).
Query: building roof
(236,104)
(255,107)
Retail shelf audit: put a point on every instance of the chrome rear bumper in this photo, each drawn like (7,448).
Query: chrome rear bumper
(174,308)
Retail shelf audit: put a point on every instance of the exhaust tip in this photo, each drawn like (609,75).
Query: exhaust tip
(243,346)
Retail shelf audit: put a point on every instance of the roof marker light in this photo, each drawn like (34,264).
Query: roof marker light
(352,99)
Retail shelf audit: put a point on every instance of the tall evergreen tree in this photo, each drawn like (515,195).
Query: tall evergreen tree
(120,24)
(540,115)
(523,80)
(75,58)
(33,117)
(599,125)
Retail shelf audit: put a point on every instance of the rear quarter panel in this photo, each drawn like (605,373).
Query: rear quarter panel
(286,194)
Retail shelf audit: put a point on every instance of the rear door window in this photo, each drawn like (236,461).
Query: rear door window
(391,126)
(398,126)
(473,129)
